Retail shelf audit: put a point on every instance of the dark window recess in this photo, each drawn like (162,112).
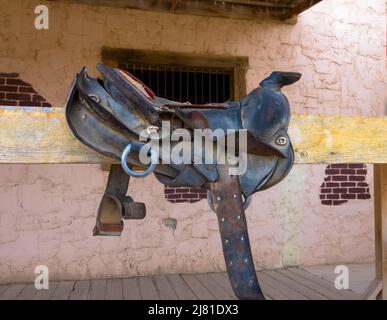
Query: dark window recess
(179,83)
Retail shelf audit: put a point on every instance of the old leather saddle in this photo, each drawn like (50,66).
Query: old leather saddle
(109,115)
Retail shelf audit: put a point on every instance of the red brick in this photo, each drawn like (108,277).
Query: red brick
(2,95)
(16,82)
(202,195)
(7,103)
(2,81)
(189,195)
(362,184)
(348,196)
(38,97)
(363,196)
(361,171)
(340,190)
(339,178)
(322,196)
(347,171)
(333,196)
(9,75)
(326,190)
(181,190)
(193,200)
(29,104)
(338,166)
(18,96)
(173,196)
(348,184)
(327,178)
(337,202)
(201,190)
(46,105)
(356,178)
(333,185)
(169,190)
(357,190)
(8,88)
(27,89)
(356,166)
(330,171)
(327,202)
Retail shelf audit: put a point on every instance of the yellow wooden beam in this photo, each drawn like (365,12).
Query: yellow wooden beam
(41,135)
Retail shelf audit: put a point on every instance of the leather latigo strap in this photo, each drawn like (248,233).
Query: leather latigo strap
(228,204)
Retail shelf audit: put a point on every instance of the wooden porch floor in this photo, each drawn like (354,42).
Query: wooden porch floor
(295,283)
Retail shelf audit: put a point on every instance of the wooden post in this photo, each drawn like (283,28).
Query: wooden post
(380,199)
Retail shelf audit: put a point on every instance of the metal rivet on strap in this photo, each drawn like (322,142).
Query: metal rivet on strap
(218,198)
(246,260)
(234,195)
(239,217)
(242,238)
(226,240)
(222,219)
(230,263)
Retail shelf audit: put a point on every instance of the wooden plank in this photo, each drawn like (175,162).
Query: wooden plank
(200,291)
(114,289)
(164,288)
(98,289)
(28,293)
(81,290)
(40,135)
(270,292)
(373,290)
(44,294)
(131,289)
(217,292)
(287,292)
(63,290)
(183,291)
(323,283)
(324,290)
(12,291)
(147,289)
(380,207)
(3,287)
(310,294)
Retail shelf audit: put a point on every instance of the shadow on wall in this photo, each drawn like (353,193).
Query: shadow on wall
(16,92)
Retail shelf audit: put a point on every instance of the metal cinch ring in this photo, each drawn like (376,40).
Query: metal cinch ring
(135,173)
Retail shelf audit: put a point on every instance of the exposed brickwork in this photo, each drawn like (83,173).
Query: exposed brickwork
(16,92)
(344,182)
(184,194)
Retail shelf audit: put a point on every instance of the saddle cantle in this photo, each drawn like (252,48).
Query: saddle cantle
(110,114)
